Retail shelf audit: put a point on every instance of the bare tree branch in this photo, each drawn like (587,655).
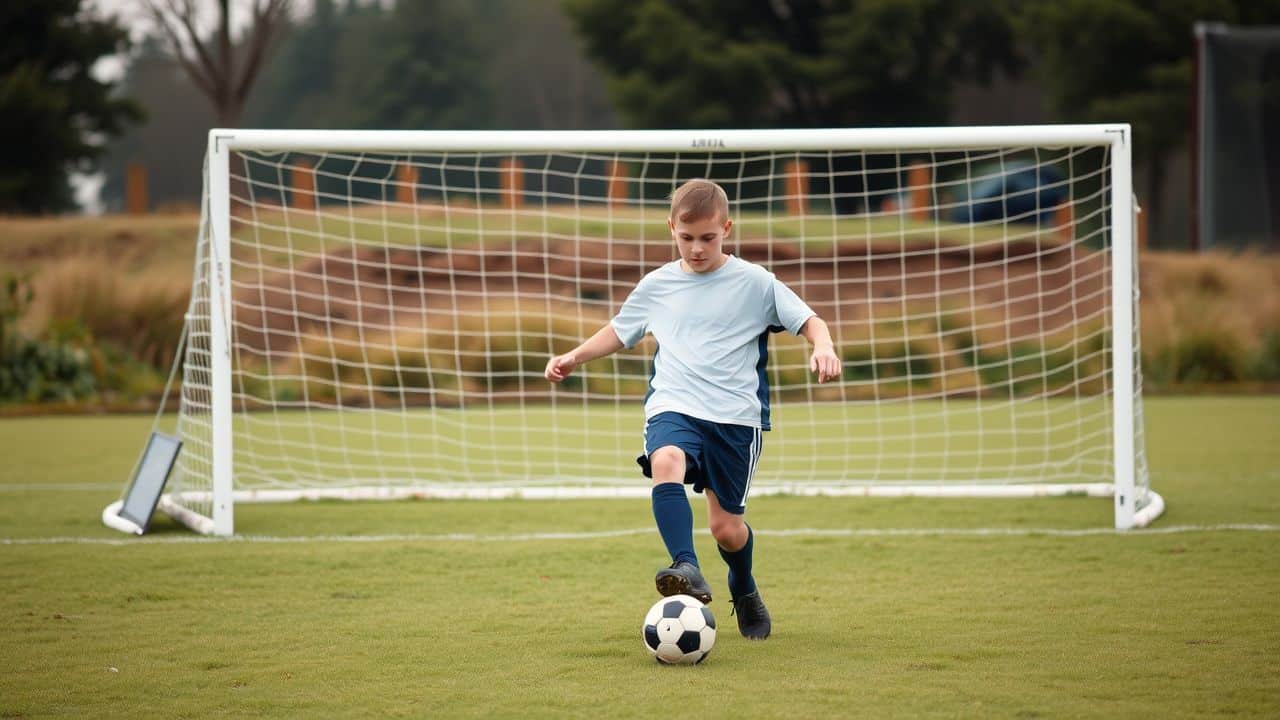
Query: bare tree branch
(174,14)
(268,16)
(210,61)
(201,74)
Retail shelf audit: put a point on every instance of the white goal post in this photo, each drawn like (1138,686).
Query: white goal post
(371,312)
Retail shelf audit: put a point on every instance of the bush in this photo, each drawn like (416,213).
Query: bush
(35,370)
(1202,355)
(1266,361)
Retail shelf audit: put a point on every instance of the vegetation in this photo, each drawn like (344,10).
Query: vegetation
(35,369)
(1206,320)
(414,64)
(54,112)
(210,61)
(1081,43)
(852,63)
(796,64)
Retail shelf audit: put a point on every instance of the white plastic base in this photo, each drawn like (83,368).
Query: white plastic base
(1149,512)
(111,518)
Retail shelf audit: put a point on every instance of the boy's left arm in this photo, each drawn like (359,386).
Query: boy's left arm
(824,360)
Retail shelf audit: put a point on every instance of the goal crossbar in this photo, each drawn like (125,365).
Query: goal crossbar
(657,141)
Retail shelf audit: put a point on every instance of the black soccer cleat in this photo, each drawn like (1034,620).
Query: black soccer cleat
(683,578)
(753,617)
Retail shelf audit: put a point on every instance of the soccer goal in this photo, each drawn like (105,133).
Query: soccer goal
(371,312)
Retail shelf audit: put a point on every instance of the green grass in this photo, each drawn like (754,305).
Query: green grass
(1145,624)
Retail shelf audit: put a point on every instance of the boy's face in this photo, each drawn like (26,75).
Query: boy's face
(701,242)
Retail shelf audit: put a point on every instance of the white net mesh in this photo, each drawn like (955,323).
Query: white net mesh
(393,313)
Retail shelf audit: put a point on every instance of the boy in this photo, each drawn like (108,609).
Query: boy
(708,399)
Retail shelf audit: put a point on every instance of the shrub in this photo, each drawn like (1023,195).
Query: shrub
(32,369)
(141,316)
(1266,361)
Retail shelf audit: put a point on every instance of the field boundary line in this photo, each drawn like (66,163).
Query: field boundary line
(605,534)
(78,487)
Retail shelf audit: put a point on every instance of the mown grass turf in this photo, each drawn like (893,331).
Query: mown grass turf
(1147,624)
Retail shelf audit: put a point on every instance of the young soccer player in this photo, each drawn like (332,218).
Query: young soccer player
(708,400)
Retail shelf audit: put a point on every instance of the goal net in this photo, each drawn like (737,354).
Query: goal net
(372,312)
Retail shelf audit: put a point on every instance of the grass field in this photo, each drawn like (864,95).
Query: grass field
(883,608)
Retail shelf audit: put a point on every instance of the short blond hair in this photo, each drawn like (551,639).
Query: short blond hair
(699,199)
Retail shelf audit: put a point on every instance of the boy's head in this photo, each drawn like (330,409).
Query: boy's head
(699,223)
(699,199)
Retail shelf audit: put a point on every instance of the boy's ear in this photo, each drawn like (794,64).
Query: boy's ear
(727,225)
(671,226)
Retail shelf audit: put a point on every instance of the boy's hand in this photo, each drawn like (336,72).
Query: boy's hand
(825,362)
(559,367)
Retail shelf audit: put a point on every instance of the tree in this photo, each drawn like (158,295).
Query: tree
(424,70)
(1130,61)
(430,64)
(210,61)
(297,89)
(54,113)
(795,63)
(171,144)
(792,63)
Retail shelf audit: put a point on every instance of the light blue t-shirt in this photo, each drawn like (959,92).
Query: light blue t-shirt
(713,338)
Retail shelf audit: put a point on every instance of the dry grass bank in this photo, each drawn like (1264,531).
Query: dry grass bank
(124,281)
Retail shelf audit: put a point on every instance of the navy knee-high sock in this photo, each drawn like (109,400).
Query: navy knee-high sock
(739,561)
(675,521)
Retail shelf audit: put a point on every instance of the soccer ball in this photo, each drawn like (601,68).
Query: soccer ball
(679,630)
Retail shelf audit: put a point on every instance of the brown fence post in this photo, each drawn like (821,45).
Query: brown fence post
(136,198)
(1064,221)
(406,184)
(618,191)
(302,181)
(918,181)
(797,187)
(512,183)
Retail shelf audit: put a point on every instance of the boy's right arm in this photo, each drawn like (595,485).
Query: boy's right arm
(604,342)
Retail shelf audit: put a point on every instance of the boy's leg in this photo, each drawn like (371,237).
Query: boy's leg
(735,541)
(671,509)
(674,518)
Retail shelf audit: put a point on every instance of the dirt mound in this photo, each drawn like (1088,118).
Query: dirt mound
(1026,288)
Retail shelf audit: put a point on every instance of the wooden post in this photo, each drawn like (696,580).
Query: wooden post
(136,200)
(797,187)
(302,181)
(1142,229)
(512,183)
(918,181)
(406,184)
(618,190)
(1064,221)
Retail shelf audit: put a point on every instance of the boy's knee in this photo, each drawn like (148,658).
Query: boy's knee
(730,531)
(667,464)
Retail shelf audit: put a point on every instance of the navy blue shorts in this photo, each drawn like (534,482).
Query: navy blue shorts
(718,456)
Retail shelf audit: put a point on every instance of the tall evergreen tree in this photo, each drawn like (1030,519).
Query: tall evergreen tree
(54,114)
(792,63)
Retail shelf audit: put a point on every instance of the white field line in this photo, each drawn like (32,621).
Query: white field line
(60,487)
(523,537)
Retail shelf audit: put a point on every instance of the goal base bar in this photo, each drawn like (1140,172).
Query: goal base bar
(175,506)
(111,518)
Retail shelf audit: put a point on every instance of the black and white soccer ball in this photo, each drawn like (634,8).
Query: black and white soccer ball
(679,630)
